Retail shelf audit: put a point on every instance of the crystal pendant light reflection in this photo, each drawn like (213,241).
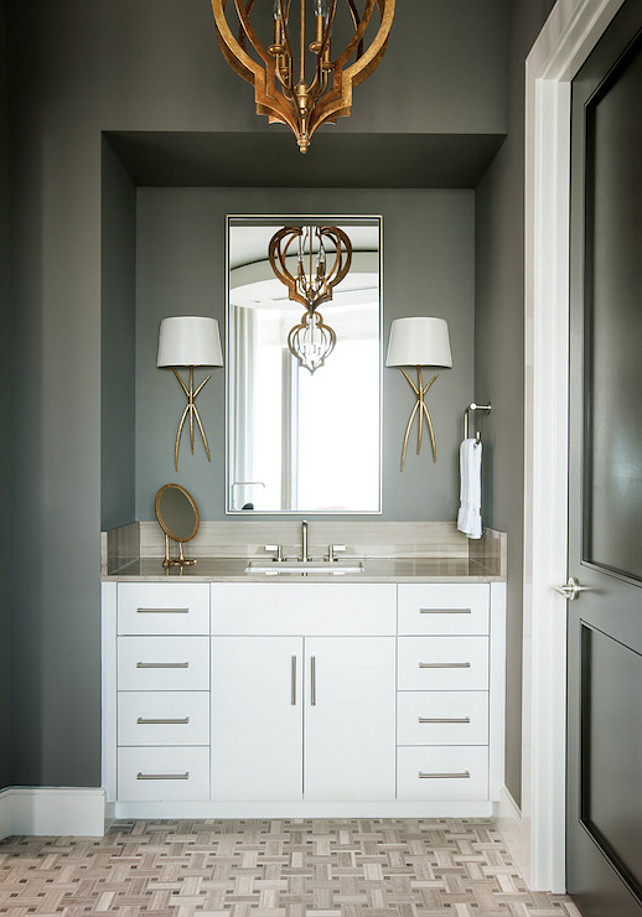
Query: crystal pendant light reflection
(311,341)
(324,256)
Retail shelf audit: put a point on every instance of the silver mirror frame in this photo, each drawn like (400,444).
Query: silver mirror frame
(271,219)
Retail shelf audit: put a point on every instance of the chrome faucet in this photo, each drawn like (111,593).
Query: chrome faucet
(304,540)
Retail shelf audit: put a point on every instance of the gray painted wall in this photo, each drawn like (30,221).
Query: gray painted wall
(118,344)
(499,349)
(428,270)
(77,69)
(5,743)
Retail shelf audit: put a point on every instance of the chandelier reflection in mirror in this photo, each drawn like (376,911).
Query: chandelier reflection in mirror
(311,341)
(303,80)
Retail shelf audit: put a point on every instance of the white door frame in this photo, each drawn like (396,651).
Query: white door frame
(571,31)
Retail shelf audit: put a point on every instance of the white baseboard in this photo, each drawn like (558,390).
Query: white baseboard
(58,811)
(516,832)
(5,814)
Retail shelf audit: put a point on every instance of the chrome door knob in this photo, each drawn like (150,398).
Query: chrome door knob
(571,589)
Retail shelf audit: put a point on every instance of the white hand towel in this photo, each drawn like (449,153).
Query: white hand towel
(469,519)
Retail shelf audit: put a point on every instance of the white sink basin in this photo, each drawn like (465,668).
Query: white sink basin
(276,567)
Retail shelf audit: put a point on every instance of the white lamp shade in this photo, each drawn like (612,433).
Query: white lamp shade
(419,341)
(189,340)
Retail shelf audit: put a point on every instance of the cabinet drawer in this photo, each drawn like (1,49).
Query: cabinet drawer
(443,608)
(442,663)
(437,772)
(163,608)
(163,718)
(158,774)
(163,664)
(442,718)
(315,609)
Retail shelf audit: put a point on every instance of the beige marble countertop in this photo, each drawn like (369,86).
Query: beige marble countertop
(376,570)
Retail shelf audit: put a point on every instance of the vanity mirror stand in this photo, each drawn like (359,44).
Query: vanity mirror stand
(177,515)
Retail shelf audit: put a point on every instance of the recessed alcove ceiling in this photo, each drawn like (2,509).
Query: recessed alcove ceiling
(335,160)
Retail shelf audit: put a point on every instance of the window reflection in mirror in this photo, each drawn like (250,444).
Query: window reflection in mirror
(296,441)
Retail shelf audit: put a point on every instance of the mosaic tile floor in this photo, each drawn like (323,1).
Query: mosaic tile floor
(324,868)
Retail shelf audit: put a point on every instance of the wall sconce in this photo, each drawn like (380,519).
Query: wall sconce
(189,341)
(419,341)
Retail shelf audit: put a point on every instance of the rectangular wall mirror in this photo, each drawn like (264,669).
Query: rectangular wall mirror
(301,442)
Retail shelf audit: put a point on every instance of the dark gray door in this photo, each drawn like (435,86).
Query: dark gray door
(604,824)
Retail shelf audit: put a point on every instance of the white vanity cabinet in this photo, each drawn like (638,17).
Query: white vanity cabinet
(303,698)
(450,685)
(156,689)
(305,711)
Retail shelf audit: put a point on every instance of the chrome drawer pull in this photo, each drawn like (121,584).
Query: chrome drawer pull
(162,611)
(464,776)
(444,665)
(293,681)
(313,681)
(141,776)
(445,611)
(446,719)
(162,665)
(183,721)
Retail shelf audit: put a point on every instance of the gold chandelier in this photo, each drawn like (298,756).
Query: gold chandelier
(311,341)
(316,86)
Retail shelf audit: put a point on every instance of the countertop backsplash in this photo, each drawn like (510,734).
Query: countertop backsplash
(138,542)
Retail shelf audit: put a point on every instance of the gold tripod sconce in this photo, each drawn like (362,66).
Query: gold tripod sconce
(419,341)
(189,341)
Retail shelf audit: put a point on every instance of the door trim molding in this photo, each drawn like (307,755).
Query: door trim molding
(568,36)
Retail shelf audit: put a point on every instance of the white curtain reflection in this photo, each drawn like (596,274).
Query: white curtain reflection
(242,331)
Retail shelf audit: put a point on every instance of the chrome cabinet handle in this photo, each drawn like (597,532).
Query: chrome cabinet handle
(162,665)
(313,681)
(143,721)
(445,719)
(293,681)
(444,665)
(141,776)
(571,589)
(162,611)
(463,776)
(445,611)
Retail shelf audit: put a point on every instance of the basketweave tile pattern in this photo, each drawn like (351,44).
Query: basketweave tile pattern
(290,867)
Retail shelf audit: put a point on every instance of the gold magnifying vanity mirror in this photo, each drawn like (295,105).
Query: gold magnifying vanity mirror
(178,517)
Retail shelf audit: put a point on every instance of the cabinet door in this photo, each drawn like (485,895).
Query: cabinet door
(257,718)
(350,718)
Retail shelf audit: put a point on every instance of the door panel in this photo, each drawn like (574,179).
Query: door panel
(611,727)
(613,272)
(350,718)
(604,821)
(257,718)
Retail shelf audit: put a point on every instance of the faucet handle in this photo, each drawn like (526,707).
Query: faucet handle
(275,549)
(335,549)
